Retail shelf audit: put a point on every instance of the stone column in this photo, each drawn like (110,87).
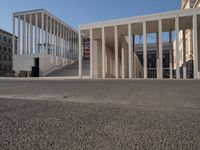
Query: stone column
(160,51)
(123,63)
(157,56)
(195,47)
(31,35)
(103,52)
(170,55)
(54,36)
(50,34)
(36,34)
(177,48)
(80,54)
(116,52)
(13,38)
(145,50)
(130,51)
(184,56)
(47,38)
(42,50)
(24,36)
(19,36)
(91,53)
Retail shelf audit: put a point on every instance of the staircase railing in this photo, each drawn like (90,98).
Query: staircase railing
(138,70)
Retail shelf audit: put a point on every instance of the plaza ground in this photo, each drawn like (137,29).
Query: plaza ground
(99,114)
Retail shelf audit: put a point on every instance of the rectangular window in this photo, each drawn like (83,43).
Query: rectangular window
(4,48)
(0,48)
(5,57)
(4,39)
(9,40)
(10,67)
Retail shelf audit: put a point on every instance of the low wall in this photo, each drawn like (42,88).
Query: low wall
(48,63)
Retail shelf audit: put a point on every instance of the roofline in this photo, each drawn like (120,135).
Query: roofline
(15,14)
(136,19)
(6,32)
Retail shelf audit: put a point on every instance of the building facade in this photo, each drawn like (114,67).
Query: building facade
(112,45)
(186,63)
(45,38)
(6,55)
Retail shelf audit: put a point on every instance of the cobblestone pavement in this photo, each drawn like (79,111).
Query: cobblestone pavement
(99,114)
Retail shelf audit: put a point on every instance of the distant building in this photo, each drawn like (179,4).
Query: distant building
(46,43)
(151,58)
(5,52)
(186,58)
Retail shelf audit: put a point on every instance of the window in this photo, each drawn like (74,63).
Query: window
(4,39)
(0,56)
(5,67)
(0,48)
(9,58)
(9,40)
(0,37)
(9,49)
(5,57)
(10,67)
(4,48)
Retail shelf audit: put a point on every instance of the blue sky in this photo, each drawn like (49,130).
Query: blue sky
(76,12)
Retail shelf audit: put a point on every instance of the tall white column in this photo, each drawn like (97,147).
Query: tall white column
(80,55)
(170,55)
(91,53)
(130,51)
(73,45)
(195,47)
(13,38)
(58,40)
(184,55)
(116,53)
(31,35)
(42,50)
(54,36)
(123,64)
(177,48)
(103,52)
(160,50)
(24,36)
(36,33)
(68,44)
(50,34)
(157,55)
(145,50)
(46,39)
(19,36)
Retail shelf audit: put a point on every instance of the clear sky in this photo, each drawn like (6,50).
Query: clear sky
(76,12)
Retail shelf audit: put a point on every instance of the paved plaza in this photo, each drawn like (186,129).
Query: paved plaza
(99,114)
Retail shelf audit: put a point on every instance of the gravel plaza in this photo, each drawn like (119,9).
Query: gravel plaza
(85,114)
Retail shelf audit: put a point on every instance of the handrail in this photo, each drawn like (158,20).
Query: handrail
(139,68)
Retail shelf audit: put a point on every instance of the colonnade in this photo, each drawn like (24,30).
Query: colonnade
(175,26)
(39,32)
